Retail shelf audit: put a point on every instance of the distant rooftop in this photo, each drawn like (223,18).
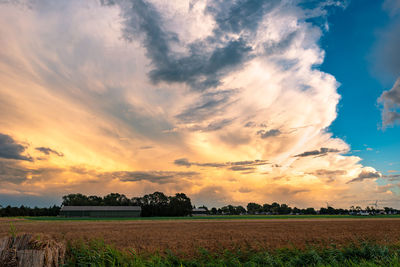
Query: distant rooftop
(101,208)
(199,209)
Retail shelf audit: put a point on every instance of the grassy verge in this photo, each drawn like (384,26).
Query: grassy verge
(96,253)
(214,217)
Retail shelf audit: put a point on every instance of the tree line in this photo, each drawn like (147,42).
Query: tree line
(254,208)
(27,211)
(159,204)
(156,204)
(284,209)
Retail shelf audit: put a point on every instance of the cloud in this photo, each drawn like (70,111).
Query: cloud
(145,147)
(212,196)
(159,177)
(48,151)
(241,168)
(198,78)
(392,6)
(12,172)
(321,152)
(200,68)
(247,165)
(331,175)
(387,59)
(245,190)
(270,133)
(211,104)
(9,149)
(391,104)
(392,177)
(365,175)
(238,16)
(16,173)
(183,162)
(213,126)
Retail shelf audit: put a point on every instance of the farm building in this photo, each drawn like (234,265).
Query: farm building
(100,211)
(199,212)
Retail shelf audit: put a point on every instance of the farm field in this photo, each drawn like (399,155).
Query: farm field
(214,217)
(186,237)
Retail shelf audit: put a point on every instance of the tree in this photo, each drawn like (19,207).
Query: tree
(296,210)
(155,204)
(116,199)
(240,210)
(180,205)
(75,200)
(253,208)
(225,210)
(266,208)
(95,201)
(214,211)
(309,211)
(275,208)
(284,209)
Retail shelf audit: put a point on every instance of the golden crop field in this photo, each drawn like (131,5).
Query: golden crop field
(187,236)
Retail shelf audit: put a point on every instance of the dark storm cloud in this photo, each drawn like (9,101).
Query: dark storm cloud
(323,151)
(210,104)
(194,68)
(273,47)
(236,16)
(9,149)
(48,151)
(365,175)
(248,165)
(159,177)
(387,57)
(391,104)
(387,51)
(270,133)
(201,68)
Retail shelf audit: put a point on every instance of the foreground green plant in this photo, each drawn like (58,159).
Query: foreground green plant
(13,230)
(97,253)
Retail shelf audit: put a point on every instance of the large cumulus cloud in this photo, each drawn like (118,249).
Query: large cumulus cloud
(9,149)
(234,86)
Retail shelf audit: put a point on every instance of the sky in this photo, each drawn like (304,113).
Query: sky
(230,102)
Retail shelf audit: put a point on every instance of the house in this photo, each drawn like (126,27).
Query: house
(100,211)
(199,212)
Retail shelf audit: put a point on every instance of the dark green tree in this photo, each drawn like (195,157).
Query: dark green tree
(253,208)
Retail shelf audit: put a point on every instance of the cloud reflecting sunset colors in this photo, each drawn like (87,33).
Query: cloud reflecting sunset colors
(222,100)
